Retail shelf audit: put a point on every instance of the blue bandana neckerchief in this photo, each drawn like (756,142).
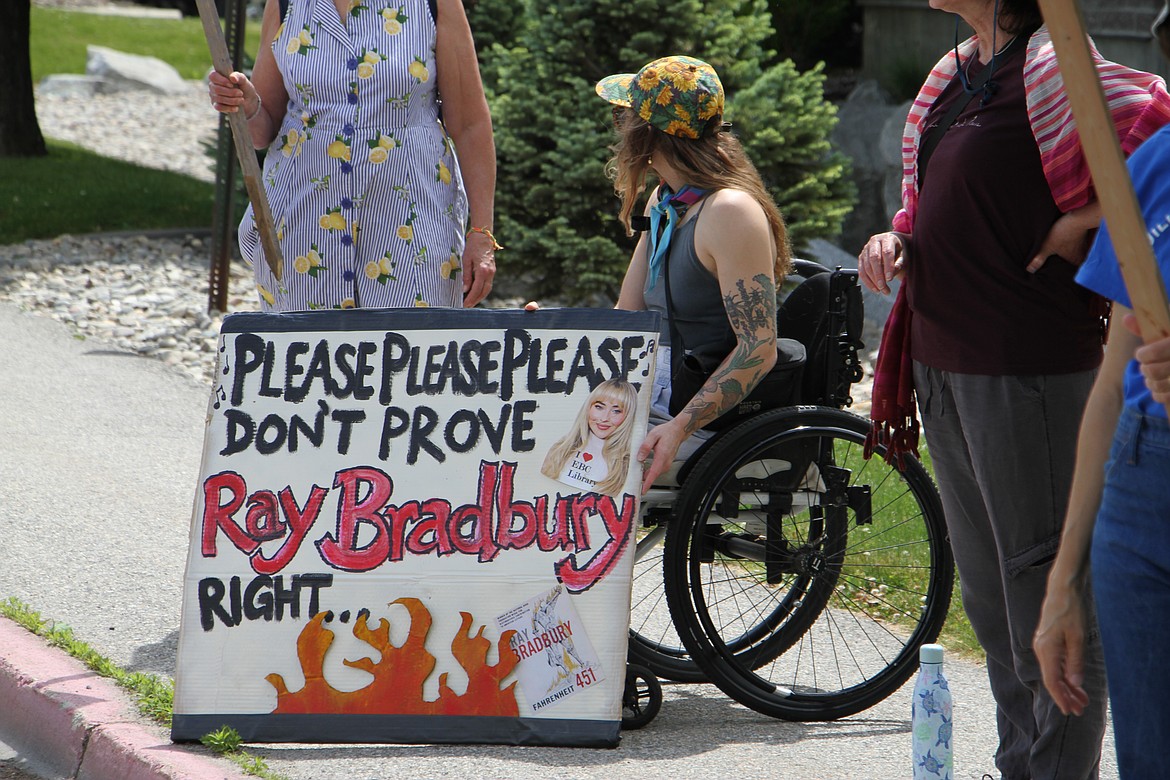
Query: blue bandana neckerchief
(672,205)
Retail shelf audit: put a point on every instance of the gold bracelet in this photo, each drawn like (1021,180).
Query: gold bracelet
(496,246)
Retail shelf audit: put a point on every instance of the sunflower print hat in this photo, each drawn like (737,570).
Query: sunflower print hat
(681,96)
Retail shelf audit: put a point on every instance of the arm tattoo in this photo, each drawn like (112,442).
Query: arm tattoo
(751,310)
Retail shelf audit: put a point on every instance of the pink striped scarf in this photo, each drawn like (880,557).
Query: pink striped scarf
(1139,105)
(1138,102)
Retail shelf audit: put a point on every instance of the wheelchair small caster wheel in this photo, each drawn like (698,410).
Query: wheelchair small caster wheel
(642,698)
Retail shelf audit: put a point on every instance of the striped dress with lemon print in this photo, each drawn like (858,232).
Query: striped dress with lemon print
(363,181)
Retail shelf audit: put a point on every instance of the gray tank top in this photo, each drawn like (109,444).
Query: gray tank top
(696,300)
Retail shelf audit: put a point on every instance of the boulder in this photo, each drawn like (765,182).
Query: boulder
(890,143)
(71,85)
(860,121)
(828,254)
(121,71)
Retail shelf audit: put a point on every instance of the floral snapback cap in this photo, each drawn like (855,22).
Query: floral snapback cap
(678,95)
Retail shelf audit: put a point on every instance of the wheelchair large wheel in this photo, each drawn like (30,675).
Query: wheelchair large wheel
(802,578)
(654,643)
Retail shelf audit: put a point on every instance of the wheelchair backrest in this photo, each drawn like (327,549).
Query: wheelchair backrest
(825,313)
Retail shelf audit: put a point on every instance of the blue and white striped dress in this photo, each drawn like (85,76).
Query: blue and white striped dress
(362,179)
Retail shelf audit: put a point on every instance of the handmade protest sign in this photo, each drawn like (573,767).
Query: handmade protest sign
(386,544)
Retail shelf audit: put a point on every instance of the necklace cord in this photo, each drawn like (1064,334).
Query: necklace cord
(988,86)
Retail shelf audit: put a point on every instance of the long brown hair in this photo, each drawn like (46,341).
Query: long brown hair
(714,162)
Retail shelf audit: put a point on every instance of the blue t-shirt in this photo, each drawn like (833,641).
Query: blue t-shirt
(1149,167)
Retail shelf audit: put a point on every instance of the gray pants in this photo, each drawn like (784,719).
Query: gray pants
(1003,449)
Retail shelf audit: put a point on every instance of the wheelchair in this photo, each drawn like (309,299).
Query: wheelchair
(787,569)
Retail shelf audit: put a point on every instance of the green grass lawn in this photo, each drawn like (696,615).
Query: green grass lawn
(899,549)
(957,634)
(76,191)
(57,40)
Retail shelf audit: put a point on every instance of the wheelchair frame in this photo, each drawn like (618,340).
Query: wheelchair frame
(799,577)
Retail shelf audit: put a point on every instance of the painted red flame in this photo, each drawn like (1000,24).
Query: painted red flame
(397,688)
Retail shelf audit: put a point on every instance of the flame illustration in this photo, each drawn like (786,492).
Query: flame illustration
(397,688)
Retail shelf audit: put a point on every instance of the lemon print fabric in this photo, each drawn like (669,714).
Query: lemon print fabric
(450,266)
(393,19)
(380,147)
(360,144)
(419,70)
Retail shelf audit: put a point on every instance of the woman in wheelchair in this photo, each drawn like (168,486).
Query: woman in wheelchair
(715,229)
(799,577)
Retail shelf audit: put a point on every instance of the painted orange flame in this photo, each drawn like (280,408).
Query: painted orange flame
(397,688)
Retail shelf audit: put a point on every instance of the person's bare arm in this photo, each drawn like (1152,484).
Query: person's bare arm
(1154,359)
(1069,237)
(734,234)
(262,98)
(882,260)
(468,120)
(1060,634)
(632,297)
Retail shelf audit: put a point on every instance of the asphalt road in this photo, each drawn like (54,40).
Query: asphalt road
(99,458)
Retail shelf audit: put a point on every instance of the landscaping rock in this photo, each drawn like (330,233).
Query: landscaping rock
(123,71)
(858,135)
(72,85)
(890,143)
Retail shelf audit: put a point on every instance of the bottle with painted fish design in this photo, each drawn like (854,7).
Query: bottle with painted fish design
(930,718)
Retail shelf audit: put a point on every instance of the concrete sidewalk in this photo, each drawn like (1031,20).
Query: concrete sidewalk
(99,458)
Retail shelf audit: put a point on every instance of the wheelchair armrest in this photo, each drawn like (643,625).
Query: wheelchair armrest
(806,268)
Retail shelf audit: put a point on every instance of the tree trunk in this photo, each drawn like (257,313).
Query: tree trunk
(20,135)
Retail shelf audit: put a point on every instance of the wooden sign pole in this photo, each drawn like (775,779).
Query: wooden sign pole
(1107,165)
(242,138)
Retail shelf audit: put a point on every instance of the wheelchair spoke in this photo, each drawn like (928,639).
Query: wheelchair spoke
(654,641)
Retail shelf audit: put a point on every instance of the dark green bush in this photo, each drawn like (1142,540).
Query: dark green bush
(556,211)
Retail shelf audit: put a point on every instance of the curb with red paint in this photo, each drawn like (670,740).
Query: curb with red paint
(82,725)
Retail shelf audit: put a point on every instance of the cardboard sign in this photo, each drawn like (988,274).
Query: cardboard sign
(416,526)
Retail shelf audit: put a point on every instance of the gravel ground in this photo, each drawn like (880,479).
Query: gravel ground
(144,294)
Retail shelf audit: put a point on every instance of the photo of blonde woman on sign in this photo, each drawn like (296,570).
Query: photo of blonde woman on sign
(595,454)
